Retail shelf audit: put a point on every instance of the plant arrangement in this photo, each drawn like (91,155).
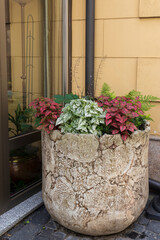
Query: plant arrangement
(46,113)
(122,115)
(105,114)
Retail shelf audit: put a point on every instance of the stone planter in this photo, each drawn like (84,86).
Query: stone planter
(95,186)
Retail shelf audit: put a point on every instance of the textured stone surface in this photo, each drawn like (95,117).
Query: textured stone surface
(95,186)
(52,230)
(154,161)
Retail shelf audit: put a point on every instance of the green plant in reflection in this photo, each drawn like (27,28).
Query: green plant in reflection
(20,121)
(66,98)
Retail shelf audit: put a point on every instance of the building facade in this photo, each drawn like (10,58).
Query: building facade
(43,53)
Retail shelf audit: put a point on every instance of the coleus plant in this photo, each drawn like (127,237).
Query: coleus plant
(47,112)
(121,114)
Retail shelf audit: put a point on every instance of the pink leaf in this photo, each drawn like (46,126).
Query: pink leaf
(108,121)
(125,111)
(47,131)
(47,113)
(134,114)
(53,107)
(40,127)
(51,127)
(131,129)
(122,128)
(115,131)
(122,119)
(115,125)
(108,116)
(124,137)
(140,112)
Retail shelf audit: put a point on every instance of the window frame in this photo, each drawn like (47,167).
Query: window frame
(7,202)
(4,145)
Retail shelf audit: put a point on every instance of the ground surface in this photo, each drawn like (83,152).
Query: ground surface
(40,226)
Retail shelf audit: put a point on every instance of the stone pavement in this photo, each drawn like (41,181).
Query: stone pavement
(40,226)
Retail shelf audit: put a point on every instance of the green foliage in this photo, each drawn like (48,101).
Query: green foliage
(89,98)
(106,91)
(37,122)
(82,116)
(20,120)
(139,122)
(133,94)
(145,100)
(66,98)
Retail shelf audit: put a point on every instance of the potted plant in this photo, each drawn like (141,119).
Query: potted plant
(95,161)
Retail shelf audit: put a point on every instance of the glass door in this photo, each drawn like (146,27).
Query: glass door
(31,65)
(25,61)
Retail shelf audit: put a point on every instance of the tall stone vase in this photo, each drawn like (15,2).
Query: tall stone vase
(95,186)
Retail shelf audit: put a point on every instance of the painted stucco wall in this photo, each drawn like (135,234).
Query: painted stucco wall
(127,48)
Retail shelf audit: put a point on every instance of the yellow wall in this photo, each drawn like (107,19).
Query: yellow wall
(127,47)
(78,46)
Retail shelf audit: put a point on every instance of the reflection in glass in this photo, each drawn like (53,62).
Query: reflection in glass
(25,166)
(27,77)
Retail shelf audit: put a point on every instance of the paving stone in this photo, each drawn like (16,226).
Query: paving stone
(53,235)
(132,235)
(111,237)
(143,220)
(52,224)
(41,227)
(26,233)
(73,238)
(42,217)
(86,238)
(4,238)
(151,235)
(122,238)
(139,228)
(39,237)
(154,226)
(58,236)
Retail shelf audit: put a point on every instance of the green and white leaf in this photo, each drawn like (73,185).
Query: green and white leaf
(81,116)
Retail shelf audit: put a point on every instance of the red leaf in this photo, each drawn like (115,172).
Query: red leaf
(115,125)
(120,119)
(134,114)
(40,127)
(53,107)
(115,131)
(108,121)
(48,131)
(124,137)
(131,129)
(112,109)
(108,116)
(122,128)
(125,111)
(140,112)
(47,113)
(51,127)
